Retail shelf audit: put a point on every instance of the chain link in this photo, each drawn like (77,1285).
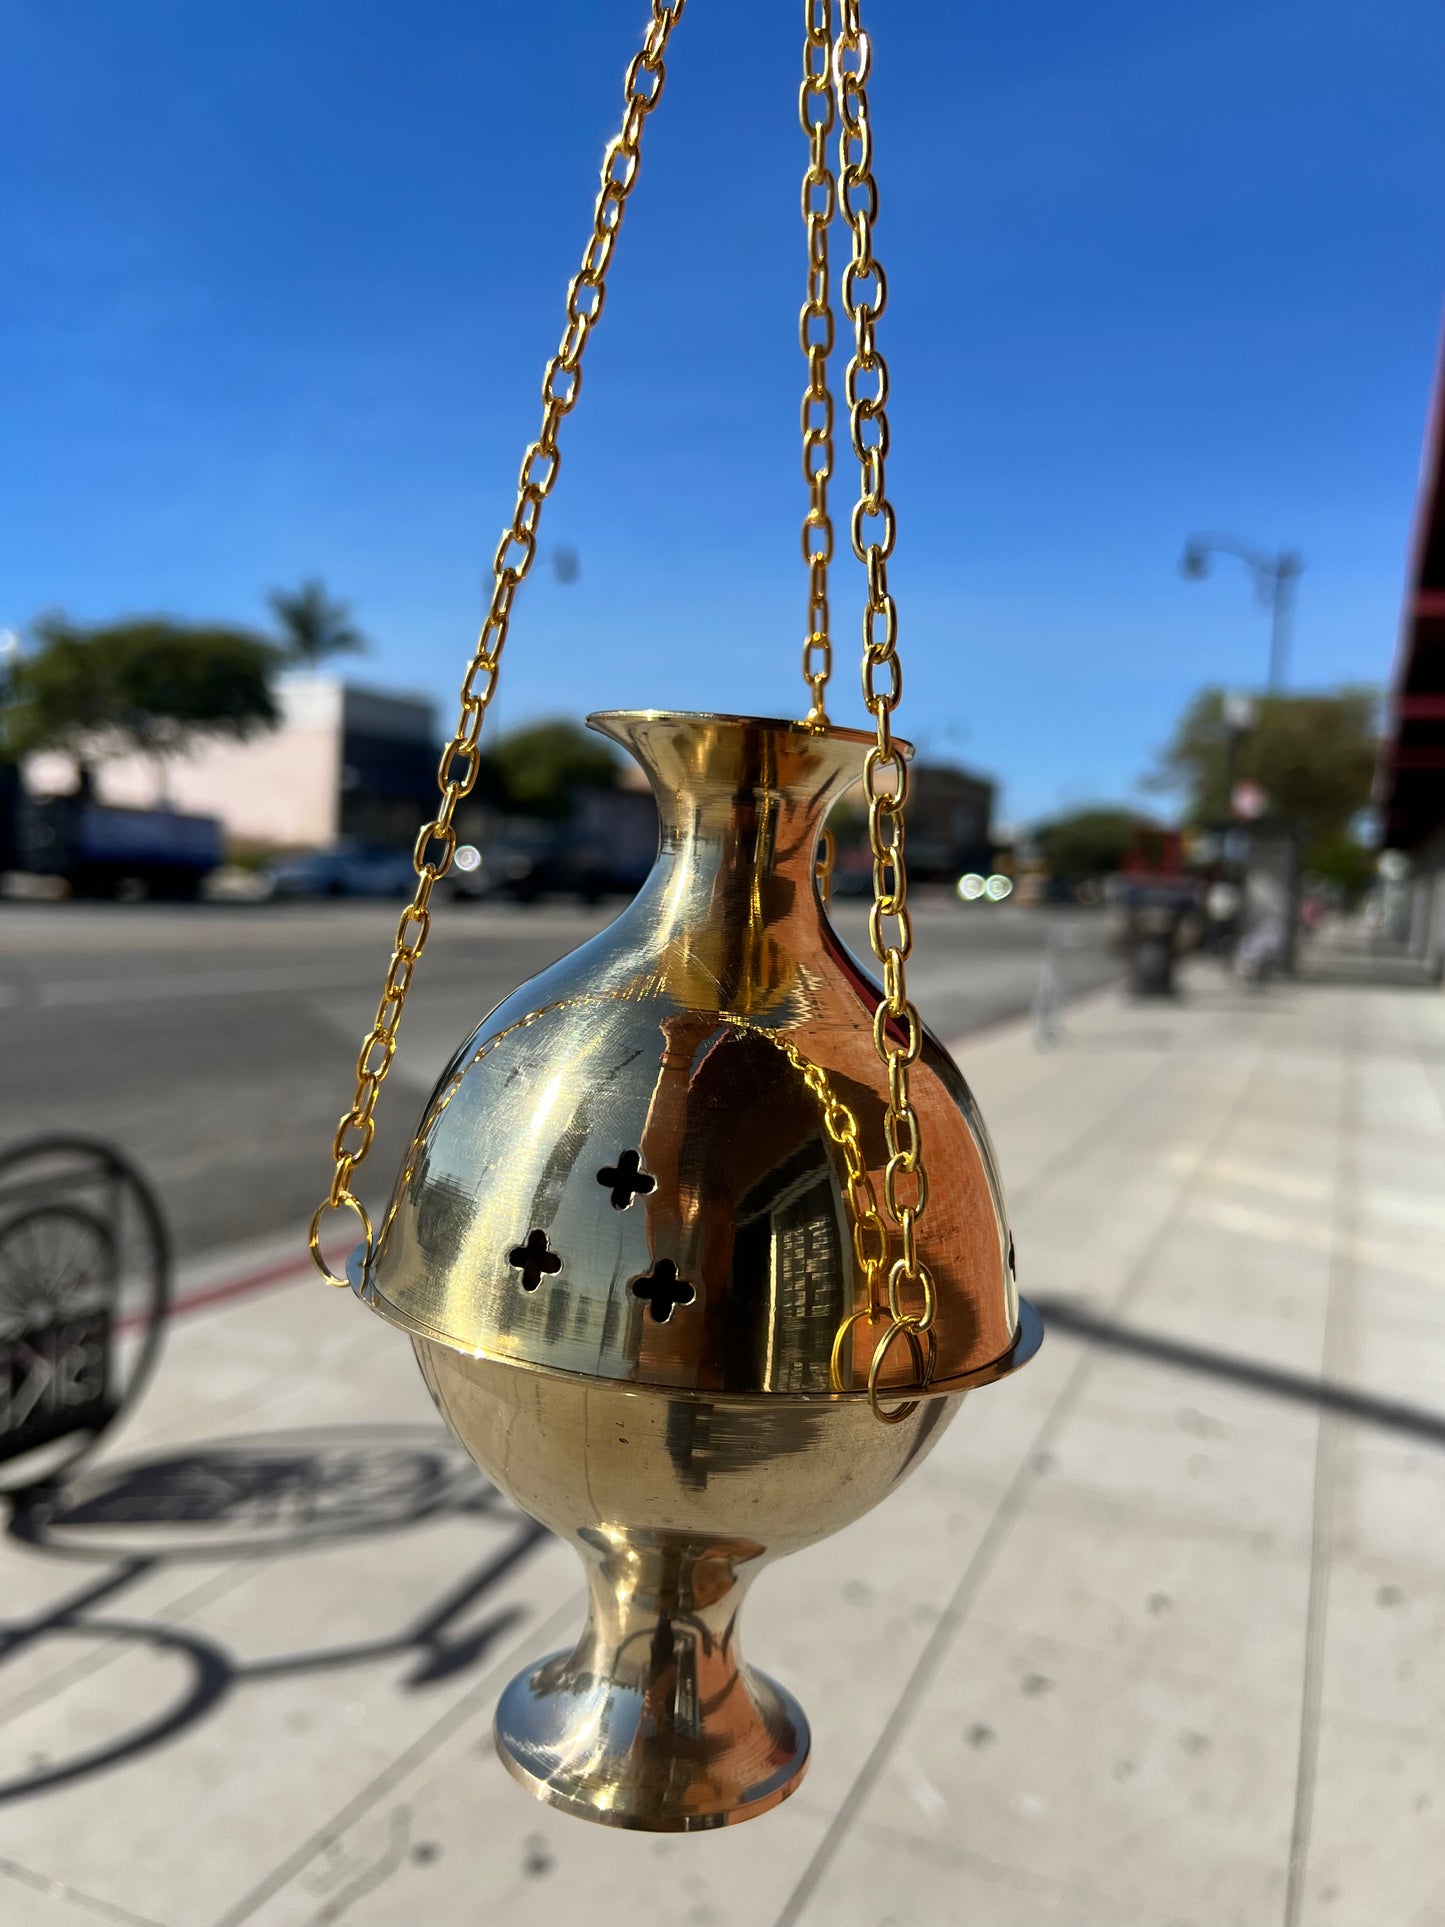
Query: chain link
(461,759)
(897,1034)
(823,866)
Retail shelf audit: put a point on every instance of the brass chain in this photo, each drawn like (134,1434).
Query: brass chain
(897,1033)
(864,299)
(461,759)
(815,337)
(870,1234)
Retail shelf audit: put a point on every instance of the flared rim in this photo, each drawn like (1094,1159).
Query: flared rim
(864,738)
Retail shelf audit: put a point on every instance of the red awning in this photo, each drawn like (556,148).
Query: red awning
(1410,781)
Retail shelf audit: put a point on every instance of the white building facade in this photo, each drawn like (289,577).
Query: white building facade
(345,761)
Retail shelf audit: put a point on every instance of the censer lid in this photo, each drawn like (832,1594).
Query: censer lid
(638,1168)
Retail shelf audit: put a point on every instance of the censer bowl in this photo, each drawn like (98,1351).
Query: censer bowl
(637,1244)
(674,1501)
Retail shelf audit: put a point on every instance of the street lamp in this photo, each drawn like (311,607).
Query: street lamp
(1274,583)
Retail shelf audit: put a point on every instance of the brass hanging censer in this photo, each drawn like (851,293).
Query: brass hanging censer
(666,1244)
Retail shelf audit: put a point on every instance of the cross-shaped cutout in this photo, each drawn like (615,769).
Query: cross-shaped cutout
(663,1289)
(533,1259)
(627,1179)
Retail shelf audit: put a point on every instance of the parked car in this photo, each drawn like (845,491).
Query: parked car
(528,860)
(352,868)
(521,862)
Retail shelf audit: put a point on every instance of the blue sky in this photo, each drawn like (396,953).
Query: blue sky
(278,281)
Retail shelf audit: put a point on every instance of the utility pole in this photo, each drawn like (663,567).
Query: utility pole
(1275,577)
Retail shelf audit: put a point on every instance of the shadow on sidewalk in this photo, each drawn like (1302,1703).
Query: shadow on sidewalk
(1067,1315)
(270,1492)
(243,1504)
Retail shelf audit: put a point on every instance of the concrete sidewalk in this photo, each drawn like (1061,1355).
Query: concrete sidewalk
(1156,1637)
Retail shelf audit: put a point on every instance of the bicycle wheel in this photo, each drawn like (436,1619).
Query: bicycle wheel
(84,1281)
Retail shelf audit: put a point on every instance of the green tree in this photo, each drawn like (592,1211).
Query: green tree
(314,627)
(539,770)
(1312,754)
(1089,842)
(1345,860)
(147,685)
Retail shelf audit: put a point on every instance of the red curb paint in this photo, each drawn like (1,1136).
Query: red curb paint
(272,1274)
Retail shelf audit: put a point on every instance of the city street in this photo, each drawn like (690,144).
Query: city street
(215,1043)
(1152,1639)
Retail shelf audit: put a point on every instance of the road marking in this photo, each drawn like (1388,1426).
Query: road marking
(217,983)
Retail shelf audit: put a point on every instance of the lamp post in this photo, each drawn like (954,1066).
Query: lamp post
(1239,719)
(1275,577)
(1271,870)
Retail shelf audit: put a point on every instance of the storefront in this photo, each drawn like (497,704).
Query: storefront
(1410,785)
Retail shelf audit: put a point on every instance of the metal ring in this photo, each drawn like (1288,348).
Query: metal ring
(314,1240)
(923,1363)
(835,1368)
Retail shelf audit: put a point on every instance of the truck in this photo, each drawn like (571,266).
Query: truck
(101,850)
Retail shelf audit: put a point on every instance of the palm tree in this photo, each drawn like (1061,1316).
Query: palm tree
(314,627)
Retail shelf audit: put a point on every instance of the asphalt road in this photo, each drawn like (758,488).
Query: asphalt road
(215,1043)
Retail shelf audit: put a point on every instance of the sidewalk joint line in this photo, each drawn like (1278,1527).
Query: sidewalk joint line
(60,1889)
(390,1776)
(1342,1276)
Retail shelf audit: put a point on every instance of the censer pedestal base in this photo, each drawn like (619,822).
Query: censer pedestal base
(674,1502)
(653,1721)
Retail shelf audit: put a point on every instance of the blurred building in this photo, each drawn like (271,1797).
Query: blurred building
(1410,785)
(345,762)
(949,822)
(950,830)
